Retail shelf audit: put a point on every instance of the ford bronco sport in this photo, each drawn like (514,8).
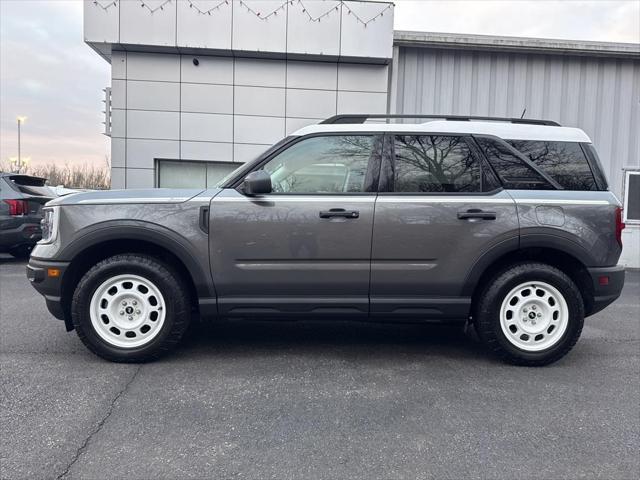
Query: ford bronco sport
(504,223)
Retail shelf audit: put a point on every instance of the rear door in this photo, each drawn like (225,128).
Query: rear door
(306,247)
(439,210)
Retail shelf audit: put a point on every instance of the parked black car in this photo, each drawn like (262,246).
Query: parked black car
(21,200)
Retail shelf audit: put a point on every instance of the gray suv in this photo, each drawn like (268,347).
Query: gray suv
(504,223)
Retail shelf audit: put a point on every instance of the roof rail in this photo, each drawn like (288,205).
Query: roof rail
(363,117)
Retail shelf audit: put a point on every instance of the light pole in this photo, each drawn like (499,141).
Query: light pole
(21,120)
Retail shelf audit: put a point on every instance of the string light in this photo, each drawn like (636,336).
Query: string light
(365,22)
(311,18)
(154,9)
(259,14)
(107,6)
(207,12)
(335,8)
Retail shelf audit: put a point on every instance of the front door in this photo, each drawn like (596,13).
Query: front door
(439,210)
(305,248)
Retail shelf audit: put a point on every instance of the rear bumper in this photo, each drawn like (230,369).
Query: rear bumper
(40,276)
(607,285)
(25,234)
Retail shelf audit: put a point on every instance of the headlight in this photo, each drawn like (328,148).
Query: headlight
(49,224)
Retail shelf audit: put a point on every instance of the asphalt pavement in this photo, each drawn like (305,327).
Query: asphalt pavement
(315,400)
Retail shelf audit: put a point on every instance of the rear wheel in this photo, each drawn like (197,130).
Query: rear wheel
(130,308)
(530,314)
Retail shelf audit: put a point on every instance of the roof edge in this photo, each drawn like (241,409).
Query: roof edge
(405,38)
(508,131)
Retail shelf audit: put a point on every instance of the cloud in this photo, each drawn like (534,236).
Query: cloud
(48,74)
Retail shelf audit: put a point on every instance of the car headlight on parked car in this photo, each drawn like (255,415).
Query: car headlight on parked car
(49,224)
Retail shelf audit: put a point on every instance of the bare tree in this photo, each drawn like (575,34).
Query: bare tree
(95,177)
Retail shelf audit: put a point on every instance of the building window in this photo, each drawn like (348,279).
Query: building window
(186,174)
(429,163)
(632,197)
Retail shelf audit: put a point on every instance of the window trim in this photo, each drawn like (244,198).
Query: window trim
(593,161)
(389,157)
(625,199)
(487,168)
(271,153)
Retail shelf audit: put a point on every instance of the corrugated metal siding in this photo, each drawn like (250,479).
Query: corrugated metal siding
(599,95)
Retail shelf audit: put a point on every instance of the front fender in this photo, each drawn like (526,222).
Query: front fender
(99,233)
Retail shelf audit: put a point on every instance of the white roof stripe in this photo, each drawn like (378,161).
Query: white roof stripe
(509,131)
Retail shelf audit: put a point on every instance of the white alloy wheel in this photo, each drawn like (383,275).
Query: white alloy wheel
(127,311)
(534,316)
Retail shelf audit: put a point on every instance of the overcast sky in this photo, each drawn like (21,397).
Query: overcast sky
(49,75)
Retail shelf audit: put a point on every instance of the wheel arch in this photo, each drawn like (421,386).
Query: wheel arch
(573,263)
(107,240)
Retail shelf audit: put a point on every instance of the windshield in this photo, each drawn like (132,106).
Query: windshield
(229,176)
(246,167)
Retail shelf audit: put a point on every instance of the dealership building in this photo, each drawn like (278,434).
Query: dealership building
(200,86)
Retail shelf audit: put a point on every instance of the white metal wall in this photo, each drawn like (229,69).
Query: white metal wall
(223,109)
(599,95)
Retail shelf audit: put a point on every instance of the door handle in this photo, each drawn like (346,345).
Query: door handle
(476,213)
(339,212)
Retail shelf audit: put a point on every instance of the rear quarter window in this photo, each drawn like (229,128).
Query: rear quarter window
(512,171)
(565,162)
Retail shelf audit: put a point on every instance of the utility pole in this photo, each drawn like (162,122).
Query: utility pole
(21,120)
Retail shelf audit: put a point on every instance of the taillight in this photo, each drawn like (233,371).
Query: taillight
(619,225)
(17,207)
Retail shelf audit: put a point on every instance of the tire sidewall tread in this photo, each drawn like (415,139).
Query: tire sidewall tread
(166,280)
(487,313)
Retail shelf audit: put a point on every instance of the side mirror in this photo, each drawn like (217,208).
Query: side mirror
(257,183)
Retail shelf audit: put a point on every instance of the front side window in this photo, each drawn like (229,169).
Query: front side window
(331,164)
(434,163)
(565,162)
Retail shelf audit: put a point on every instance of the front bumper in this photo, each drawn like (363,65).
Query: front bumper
(607,285)
(46,277)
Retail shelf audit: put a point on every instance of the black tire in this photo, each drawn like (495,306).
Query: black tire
(177,317)
(21,252)
(486,315)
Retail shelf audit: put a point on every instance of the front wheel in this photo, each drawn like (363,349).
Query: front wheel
(530,314)
(130,308)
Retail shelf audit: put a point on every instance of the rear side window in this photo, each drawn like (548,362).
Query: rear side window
(430,163)
(565,162)
(514,173)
